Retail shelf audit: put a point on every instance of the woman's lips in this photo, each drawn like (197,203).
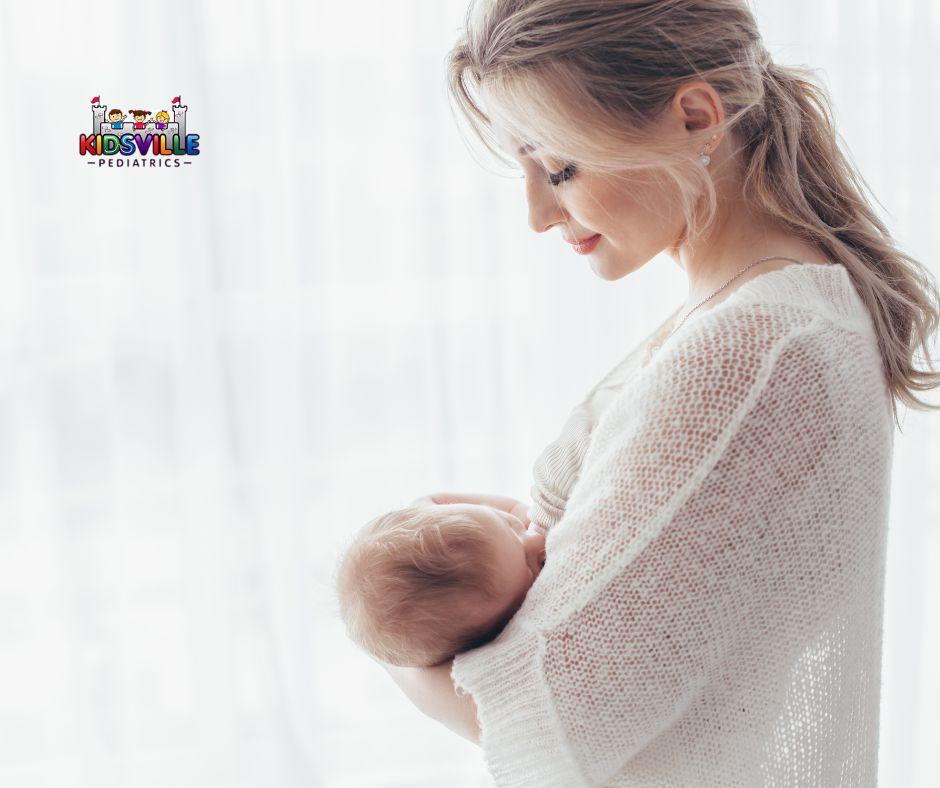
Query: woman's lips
(586,245)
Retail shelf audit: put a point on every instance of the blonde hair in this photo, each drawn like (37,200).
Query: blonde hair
(162,114)
(588,80)
(407,580)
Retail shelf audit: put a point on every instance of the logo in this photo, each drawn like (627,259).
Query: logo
(144,141)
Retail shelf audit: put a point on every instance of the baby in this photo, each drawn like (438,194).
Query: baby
(443,575)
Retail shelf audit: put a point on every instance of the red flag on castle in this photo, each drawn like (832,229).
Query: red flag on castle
(176,99)
(96,99)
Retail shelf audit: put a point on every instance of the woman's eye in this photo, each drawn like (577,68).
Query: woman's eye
(555,178)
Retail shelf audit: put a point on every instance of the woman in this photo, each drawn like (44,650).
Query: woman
(710,610)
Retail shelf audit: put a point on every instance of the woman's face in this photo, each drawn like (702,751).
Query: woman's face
(635,216)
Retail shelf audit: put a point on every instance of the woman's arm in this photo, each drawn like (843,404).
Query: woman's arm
(432,691)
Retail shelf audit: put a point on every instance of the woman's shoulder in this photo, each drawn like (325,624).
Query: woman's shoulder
(791,298)
(722,360)
(818,290)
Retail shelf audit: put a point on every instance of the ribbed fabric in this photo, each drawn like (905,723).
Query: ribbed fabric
(558,466)
(710,609)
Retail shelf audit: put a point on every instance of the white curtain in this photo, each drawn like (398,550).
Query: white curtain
(210,375)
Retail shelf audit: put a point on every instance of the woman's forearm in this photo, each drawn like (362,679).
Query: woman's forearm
(432,690)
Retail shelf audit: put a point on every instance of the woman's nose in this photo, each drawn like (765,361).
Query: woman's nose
(544,210)
(541,219)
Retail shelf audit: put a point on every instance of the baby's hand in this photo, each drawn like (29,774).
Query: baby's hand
(521,511)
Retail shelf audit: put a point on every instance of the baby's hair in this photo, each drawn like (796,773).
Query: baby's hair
(115,112)
(406,579)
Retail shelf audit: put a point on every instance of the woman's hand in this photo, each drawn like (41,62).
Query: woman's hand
(433,691)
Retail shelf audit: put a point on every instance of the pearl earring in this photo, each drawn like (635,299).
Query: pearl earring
(703,156)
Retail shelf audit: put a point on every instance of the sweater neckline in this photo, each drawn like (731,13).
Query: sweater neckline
(773,279)
(778,284)
(770,281)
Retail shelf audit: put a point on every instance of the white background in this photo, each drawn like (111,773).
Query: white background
(209,376)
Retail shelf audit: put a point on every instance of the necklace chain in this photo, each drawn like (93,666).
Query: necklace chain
(746,268)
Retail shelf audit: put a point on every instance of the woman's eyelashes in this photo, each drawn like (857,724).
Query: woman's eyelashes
(555,178)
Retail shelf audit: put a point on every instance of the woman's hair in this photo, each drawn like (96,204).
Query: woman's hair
(407,580)
(587,80)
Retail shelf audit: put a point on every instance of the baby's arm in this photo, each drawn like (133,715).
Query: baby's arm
(501,502)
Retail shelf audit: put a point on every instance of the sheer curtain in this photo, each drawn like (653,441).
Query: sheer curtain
(210,375)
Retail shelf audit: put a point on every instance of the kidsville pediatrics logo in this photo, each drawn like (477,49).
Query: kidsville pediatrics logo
(143,142)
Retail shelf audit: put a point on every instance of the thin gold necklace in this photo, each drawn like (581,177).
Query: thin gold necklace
(746,268)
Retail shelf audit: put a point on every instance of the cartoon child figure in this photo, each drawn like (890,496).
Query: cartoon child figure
(117,118)
(162,118)
(140,117)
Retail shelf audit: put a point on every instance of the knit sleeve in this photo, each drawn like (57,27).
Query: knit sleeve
(651,570)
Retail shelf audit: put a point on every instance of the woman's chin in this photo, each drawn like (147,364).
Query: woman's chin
(603,270)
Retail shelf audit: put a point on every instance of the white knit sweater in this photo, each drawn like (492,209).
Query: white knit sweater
(710,610)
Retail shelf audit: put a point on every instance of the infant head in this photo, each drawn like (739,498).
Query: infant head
(418,585)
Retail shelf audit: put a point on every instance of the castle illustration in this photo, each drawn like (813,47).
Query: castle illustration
(177,126)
